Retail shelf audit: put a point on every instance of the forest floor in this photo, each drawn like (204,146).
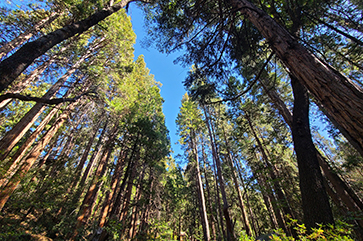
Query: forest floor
(13,223)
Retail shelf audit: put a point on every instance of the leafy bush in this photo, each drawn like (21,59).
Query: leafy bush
(340,232)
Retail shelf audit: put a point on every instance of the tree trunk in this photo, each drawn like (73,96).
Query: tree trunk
(135,209)
(338,95)
(200,190)
(23,83)
(33,155)
(117,200)
(14,65)
(272,173)
(348,196)
(230,233)
(315,201)
(18,156)
(94,157)
(270,201)
(254,226)
(236,185)
(127,198)
(113,186)
(89,199)
(211,216)
(23,37)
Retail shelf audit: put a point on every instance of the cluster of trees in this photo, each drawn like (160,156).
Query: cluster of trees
(267,60)
(84,148)
(83,139)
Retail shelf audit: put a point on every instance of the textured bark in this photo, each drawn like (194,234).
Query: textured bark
(339,96)
(14,65)
(33,155)
(23,37)
(315,201)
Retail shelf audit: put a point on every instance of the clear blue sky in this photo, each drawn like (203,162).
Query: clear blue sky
(165,71)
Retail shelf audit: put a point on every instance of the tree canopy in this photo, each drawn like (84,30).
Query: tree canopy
(270,125)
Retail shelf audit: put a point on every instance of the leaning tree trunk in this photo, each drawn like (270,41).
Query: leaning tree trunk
(14,65)
(33,155)
(272,171)
(21,38)
(253,223)
(338,95)
(18,156)
(315,201)
(23,83)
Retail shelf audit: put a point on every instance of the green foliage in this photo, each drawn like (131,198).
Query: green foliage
(341,231)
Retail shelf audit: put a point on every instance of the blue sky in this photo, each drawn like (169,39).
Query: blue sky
(165,71)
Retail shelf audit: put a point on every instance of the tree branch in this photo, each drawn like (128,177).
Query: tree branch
(250,86)
(54,101)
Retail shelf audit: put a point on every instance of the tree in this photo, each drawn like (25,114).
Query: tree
(189,121)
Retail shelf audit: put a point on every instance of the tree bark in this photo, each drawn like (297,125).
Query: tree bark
(348,196)
(315,201)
